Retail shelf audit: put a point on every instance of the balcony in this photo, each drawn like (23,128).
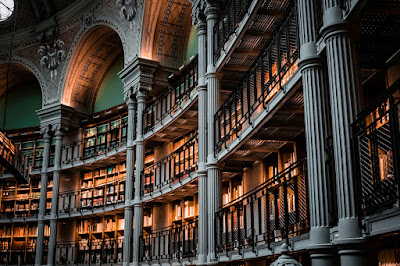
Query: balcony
(171,243)
(12,160)
(97,251)
(97,140)
(181,91)
(274,211)
(376,143)
(172,169)
(265,79)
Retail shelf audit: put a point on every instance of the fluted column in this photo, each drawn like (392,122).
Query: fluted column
(316,116)
(343,85)
(137,203)
(43,194)
(213,168)
(201,28)
(130,168)
(54,200)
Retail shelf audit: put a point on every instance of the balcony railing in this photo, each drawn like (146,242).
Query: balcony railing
(227,23)
(93,252)
(376,140)
(181,90)
(89,199)
(274,211)
(95,145)
(274,66)
(17,254)
(172,168)
(172,243)
(12,160)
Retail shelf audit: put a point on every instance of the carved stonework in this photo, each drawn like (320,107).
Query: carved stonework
(285,259)
(52,55)
(128,9)
(4,54)
(87,19)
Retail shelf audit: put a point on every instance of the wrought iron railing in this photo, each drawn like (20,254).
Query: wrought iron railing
(90,252)
(88,199)
(275,210)
(271,70)
(12,160)
(181,90)
(83,149)
(376,142)
(171,243)
(227,23)
(172,168)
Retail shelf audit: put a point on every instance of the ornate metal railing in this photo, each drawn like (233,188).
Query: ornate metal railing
(171,243)
(275,210)
(376,141)
(271,70)
(90,252)
(227,22)
(82,149)
(12,160)
(181,90)
(88,199)
(172,168)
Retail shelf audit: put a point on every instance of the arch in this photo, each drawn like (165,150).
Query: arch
(93,52)
(166,28)
(19,112)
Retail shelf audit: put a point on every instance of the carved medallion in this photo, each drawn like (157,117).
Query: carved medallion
(52,55)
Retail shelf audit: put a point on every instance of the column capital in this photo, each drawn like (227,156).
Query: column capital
(141,96)
(212,10)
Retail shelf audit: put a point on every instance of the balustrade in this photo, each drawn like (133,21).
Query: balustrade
(182,89)
(272,69)
(176,242)
(96,141)
(172,168)
(376,142)
(273,211)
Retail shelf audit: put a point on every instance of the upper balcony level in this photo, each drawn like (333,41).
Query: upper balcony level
(270,78)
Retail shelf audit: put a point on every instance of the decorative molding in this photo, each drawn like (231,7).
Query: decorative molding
(128,9)
(52,55)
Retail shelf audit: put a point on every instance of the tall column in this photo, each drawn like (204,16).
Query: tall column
(54,200)
(213,168)
(201,28)
(343,84)
(137,203)
(43,194)
(130,168)
(316,115)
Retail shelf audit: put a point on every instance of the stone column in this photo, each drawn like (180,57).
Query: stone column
(43,194)
(213,168)
(137,203)
(201,28)
(130,168)
(54,200)
(343,85)
(316,116)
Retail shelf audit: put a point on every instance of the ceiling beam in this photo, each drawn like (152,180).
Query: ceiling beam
(259,149)
(292,109)
(247,52)
(235,68)
(253,33)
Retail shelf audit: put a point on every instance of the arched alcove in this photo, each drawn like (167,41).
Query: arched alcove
(98,51)
(20,99)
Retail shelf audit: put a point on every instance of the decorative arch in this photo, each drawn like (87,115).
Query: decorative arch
(166,28)
(24,79)
(94,50)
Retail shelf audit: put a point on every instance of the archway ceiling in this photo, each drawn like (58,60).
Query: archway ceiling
(93,57)
(17,75)
(167,27)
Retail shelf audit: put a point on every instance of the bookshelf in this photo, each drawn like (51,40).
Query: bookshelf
(22,200)
(103,186)
(100,239)
(18,242)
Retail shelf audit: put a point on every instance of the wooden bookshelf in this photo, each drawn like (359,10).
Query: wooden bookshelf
(100,239)
(103,186)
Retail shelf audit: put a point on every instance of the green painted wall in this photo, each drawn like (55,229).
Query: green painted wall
(111,91)
(193,45)
(22,103)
